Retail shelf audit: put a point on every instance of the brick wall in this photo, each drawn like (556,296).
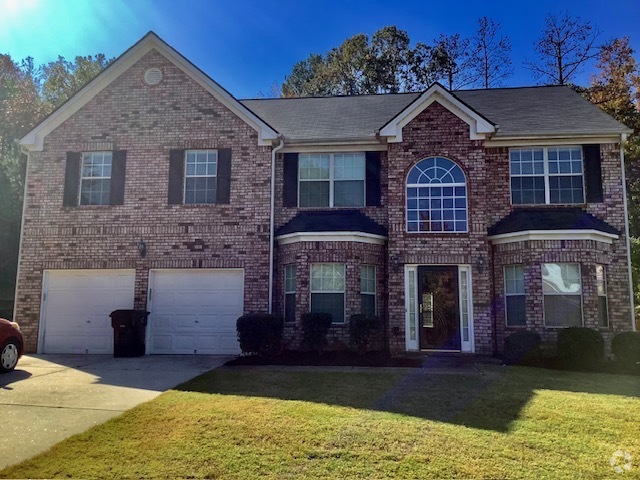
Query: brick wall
(146,122)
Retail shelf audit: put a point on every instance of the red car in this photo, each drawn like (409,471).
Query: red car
(11,345)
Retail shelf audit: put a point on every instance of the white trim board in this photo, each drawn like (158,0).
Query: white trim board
(479,127)
(525,235)
(359,237)
(34,140)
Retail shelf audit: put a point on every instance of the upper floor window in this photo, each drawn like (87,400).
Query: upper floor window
(331,180)
(200,182)
(548,175)
(95,178)
(436,197)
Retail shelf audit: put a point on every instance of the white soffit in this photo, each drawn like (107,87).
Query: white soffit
(34,140)
(595,235)
(479,126)
(359,237)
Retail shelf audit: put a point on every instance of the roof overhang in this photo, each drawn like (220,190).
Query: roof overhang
(359,237)
(526,235)
(479,126)
(552,139)
(34,140)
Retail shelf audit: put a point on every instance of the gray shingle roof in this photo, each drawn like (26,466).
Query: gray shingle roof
(563,218)
(527,111)
(332,221)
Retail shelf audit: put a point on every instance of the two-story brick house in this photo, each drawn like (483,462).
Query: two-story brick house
(456,217)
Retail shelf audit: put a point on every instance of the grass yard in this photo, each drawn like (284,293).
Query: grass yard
(516,423)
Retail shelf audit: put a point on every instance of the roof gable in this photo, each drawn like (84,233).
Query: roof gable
(34,140)
(479,126)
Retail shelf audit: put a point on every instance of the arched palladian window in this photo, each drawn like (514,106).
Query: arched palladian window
(436,197)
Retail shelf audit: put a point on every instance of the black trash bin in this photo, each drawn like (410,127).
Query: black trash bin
(128,332)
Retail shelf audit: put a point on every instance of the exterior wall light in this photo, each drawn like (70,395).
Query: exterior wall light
(142,248)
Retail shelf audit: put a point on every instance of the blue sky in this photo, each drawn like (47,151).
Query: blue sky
(247,45)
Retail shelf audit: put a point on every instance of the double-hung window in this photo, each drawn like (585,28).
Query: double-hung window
(289,293)
(327,289)
(514,295)
(603,308)
(562,289)
(331,180)
(95,178)
(368,290)
(200,182)
(549,175)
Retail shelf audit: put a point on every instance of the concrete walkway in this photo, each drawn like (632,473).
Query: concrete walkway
(51,397)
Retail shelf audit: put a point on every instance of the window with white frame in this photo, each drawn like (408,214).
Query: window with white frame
(200,179)
(514,296)
(289,293)
(331,180)
(368,290)
(327,289)
(562,289)
(549,175)
(436,197)
(603,307)
(95,178)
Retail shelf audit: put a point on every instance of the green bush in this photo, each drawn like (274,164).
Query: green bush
(522,348)
(580,347)
(361,329)
(315,327)
(260,333)
(626,348)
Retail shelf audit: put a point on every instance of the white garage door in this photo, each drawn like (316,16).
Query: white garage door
(76,305)
(194,311)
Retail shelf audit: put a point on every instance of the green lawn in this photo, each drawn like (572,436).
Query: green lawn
(288,423)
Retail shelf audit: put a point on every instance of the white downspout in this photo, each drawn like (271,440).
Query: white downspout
(272,221)
(623,138)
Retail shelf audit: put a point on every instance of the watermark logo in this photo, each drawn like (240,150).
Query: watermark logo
(621,461)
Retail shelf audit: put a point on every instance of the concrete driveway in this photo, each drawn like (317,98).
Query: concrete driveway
(51,397)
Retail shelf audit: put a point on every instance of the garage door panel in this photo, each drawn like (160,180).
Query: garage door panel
(76,308)
(195,311)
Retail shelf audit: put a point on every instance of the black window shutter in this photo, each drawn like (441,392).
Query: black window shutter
(593,173)
(176,176)
(290,183)
(71,179)
(118,168)
(223,187)
(373,179)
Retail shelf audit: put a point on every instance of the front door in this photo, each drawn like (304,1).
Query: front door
(439,307)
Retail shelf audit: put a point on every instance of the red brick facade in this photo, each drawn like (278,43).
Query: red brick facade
(149,121)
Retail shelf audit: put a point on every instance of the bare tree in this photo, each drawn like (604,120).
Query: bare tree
(565,45)
(490,54)
(451,61)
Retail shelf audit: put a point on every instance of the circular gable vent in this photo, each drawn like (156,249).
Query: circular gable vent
(153,76)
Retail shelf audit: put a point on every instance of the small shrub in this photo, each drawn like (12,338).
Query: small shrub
(315,327)
(626,348)
(361,328)
(580,347)
(260,333)
(522,348)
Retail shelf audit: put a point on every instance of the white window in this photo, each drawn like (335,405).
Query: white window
(562,289)
(514,296)
(436,197)
(549,175)
(327,290)
(201,169)
(95,178)
(331,180)
(289,293)
(603,307)
(368,290)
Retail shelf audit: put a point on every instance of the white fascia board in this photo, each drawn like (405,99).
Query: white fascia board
(359,237)
(478,126)
(34,140)
(550,140)
(333,147)
(525,235)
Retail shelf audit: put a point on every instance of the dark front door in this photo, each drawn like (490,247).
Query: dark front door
(439,307)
